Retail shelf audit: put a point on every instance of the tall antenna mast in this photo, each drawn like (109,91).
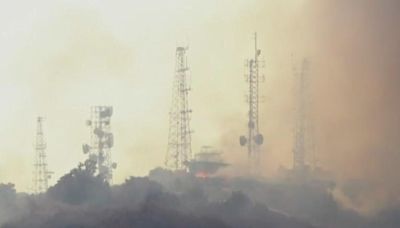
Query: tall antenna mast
(299,149)
(101,141)
(179,150)
(254,138)
(41,174)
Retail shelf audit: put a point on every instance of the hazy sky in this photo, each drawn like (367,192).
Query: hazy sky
(59,58)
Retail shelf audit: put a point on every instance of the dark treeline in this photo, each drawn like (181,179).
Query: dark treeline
(83,199)
(167,199)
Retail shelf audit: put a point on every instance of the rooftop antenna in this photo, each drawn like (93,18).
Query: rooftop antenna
(101,141)
(301,131)
(41,174)
(254,138)
(179,150)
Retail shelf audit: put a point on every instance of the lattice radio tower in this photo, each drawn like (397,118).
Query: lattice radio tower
(41,174)
(101,141)
(179,149)
(300,132)
(254,138)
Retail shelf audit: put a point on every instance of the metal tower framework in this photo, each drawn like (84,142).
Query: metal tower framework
(101,140)
(41,174)
(179,150)
(301,131)
(254,138)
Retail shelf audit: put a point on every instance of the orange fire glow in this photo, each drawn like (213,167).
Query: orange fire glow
(202,175)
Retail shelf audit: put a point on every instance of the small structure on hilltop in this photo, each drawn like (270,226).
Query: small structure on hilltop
(205,163)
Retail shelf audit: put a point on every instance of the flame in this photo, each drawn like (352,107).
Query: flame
(202,175)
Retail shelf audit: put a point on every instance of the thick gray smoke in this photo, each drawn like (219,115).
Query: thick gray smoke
(355,55)
(357,96)
(354,51)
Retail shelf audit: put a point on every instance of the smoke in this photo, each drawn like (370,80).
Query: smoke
(177,199)
(84,54)
(356,97)
(353,48)
(82,199)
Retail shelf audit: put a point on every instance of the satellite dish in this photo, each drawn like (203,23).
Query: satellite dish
(114,165)
(103,170)
(110,140)
(85,148)
(88,122)
(93,157)
(242,140)
(259,139)
(98,132)
(107,112)
(101,159)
